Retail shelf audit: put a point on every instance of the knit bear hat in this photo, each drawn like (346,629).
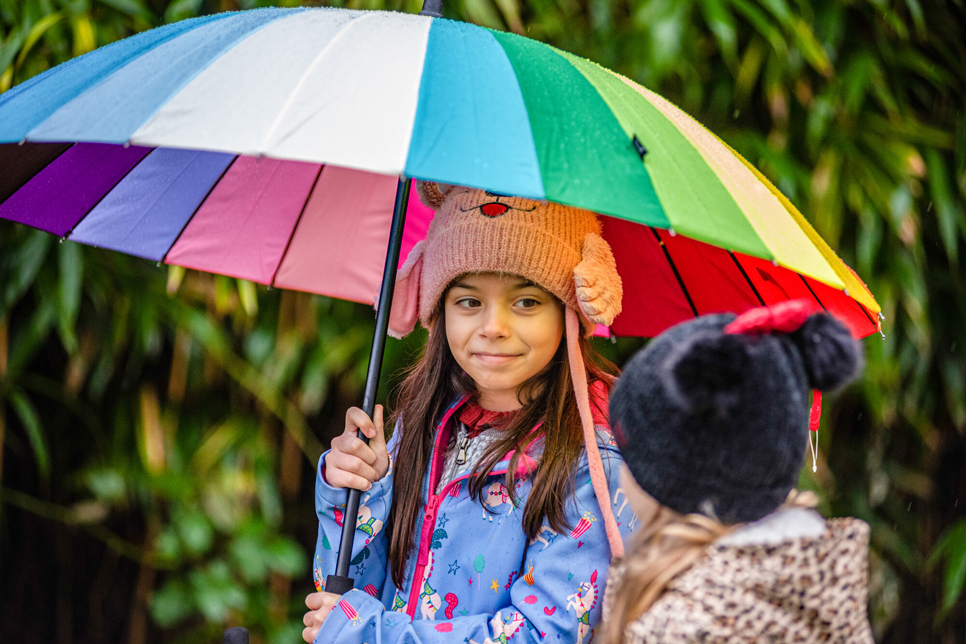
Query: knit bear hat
(555,246)
(558,247)
(712,416)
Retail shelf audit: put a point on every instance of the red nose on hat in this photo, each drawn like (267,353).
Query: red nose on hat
(494,209)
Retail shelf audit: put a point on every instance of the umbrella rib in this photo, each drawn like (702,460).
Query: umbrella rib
(667,256)
(270,132)
(754,290)
(198,207)
(291,236)
(809,287)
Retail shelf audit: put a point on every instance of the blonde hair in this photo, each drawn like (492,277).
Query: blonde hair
(667,546)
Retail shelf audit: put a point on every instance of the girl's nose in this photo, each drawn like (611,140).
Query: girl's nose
(494,323)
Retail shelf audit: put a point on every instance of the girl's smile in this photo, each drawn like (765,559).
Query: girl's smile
(502,330)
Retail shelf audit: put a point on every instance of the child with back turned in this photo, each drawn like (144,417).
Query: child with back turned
(712,419)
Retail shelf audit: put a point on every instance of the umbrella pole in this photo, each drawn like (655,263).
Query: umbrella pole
(340,582)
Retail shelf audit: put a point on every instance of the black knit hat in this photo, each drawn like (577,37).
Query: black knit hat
(716,421)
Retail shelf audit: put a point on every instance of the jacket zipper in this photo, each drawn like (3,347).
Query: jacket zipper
(429,513)
(432,509)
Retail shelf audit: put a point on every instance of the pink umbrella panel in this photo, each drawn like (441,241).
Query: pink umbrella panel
(325,229)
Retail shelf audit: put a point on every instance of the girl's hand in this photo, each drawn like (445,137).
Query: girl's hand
(352,463)
(319,604)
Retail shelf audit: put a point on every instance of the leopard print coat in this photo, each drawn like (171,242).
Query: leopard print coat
(800,590)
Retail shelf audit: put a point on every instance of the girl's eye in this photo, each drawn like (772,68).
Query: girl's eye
(528,303)
(468,302)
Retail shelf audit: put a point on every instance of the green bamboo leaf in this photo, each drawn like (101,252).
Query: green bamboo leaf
(248,296)
(779,9)
(482,13)
(32,336)
(722,24)
(30,420)
(36,33)
(132,8)
(181,9)
(10,47)
(19,267)
(511,14)
(69,286)
(811,48)
(948,216)
(955,577)
(760,21)
(84,38)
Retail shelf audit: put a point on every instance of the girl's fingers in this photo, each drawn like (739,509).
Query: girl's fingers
(351,465)
(355,419)
(378,446)
(352,446)
(343,471)
(340,479)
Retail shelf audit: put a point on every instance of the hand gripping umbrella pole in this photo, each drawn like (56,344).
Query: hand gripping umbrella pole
(340,582)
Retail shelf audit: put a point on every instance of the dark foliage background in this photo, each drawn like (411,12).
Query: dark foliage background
(159,429)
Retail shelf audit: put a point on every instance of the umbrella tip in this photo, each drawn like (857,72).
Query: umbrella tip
(432,8)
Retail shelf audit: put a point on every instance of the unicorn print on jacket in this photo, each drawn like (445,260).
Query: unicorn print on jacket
(496,496)
(583,601)
(368,523)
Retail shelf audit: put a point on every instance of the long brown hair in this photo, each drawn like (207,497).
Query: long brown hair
(436,381)
(667,545)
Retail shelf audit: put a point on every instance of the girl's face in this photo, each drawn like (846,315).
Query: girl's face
(502,330)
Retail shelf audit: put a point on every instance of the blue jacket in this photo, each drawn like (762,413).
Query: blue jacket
(478,579)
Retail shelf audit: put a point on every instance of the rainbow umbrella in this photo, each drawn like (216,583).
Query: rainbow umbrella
(241,143)
(276,145)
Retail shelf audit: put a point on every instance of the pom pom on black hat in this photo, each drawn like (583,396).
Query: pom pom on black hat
(829,353)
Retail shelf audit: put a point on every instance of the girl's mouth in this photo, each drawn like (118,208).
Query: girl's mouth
(495,358)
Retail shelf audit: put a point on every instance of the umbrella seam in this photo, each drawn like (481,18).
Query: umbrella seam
(295,228)
(270,132)
(164,257)
(677,275)
(754,290)
(103,196)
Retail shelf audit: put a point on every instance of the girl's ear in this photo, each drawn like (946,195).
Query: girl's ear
(430,194)
(405,297)
(599,289)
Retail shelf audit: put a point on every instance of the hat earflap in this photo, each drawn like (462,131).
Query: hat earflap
(405,297)
(599,289)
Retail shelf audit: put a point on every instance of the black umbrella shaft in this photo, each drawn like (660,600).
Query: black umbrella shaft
(372,376)
(432,8)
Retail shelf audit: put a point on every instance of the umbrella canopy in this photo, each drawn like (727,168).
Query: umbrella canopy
(266,145)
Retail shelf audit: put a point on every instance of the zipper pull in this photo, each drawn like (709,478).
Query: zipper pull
(461,446)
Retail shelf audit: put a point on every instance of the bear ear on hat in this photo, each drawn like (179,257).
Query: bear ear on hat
(830,354)
(599,289)
(405,297)
(707,374)
(432,194)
